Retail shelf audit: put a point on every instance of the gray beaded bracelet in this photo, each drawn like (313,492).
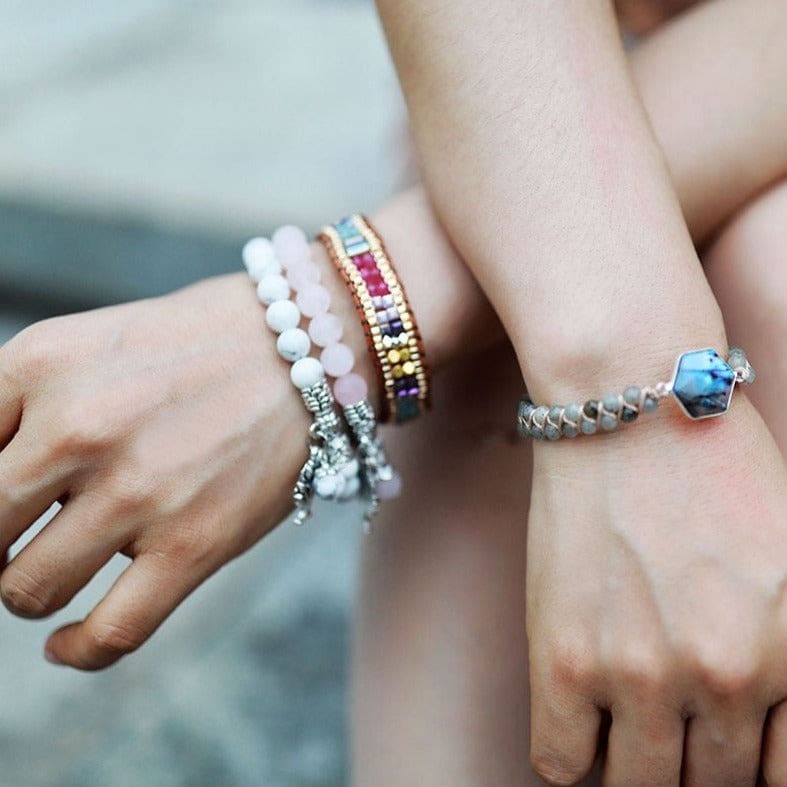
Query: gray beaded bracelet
(701,384)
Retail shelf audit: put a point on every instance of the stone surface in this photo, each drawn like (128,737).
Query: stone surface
(703,383)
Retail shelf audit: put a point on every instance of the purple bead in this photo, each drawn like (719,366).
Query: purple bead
(382,317)
(396,326)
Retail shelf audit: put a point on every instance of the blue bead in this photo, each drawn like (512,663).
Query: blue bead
(703,383)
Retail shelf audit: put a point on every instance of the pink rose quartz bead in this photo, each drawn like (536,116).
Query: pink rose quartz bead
(325,329)
(303,274)
(390,488)
(313,299)
(337,359)
(350,389)
(291,246)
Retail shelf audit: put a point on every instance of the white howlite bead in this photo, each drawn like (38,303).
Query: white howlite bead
(306,372)
(282,315)
(272,288)
(328,486)
(293,344)
(351,488)
(260,258)
(351,469)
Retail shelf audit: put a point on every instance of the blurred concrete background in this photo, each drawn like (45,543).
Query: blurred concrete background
(140,143)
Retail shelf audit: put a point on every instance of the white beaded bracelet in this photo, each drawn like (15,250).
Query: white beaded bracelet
(277,267)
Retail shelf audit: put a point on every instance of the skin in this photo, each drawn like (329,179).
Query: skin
(620,621)
(177,521)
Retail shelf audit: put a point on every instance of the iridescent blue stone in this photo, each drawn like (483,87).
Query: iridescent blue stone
(703,383)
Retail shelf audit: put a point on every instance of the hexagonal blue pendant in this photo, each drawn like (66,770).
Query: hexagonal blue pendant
(703,383)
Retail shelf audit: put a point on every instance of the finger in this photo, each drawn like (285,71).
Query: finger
(774,752)
(723,748)
(564,724)
(61,559)
(141,599)
(30,482)
(10,406)
(645,746)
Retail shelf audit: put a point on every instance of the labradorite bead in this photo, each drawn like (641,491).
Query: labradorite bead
(631,395)
(611,403)
(590,409)
(627,415)
(570,431)
(572,412)
(650,404)
(555,413)
(551,432)
(703,383)
(525,408)
(588,427)
(537,433)
(608,422)
(540,415)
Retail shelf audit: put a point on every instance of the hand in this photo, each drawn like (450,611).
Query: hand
(656,592)
(169,430)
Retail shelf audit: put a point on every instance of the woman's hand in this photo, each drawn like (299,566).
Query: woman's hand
(169,430)
(656,591)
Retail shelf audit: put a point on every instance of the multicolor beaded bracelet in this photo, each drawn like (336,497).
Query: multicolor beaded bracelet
(701,384)
(391,332)
(333,471)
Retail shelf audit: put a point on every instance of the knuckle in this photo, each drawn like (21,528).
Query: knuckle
(193,545)
(12,495)
(726,672)
(136,492)
(556,768)
(24,594)
(114,639)
(81,430)
(574,662)
(642,669)
(35,349)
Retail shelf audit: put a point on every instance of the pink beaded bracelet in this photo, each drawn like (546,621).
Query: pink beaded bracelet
(286,263)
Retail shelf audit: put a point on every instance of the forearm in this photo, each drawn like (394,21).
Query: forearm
(714,172)
(573,229)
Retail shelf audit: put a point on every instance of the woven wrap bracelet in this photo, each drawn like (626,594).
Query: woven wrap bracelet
(702,385)
(392,335)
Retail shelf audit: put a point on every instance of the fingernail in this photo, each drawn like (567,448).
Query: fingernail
(51,658)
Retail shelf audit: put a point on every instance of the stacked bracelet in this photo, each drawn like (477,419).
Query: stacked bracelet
(701,384)
(391,332)
(334,470)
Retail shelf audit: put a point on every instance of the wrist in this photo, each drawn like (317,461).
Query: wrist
(567,358)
